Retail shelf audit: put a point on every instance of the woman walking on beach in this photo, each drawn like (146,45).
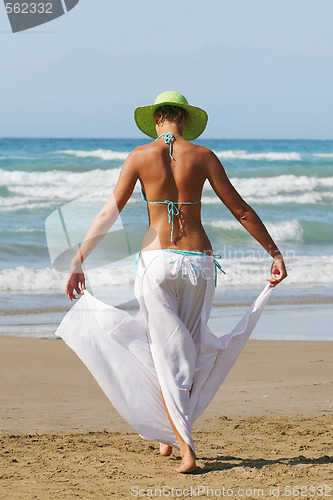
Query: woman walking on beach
(161,367)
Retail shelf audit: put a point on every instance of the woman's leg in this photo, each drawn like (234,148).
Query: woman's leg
(187,454)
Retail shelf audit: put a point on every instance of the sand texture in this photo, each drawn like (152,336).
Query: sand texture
(269,426)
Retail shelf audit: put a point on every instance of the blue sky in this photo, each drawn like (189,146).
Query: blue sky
(260,68)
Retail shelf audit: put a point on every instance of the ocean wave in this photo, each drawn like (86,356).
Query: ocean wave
(24,230)
(102,154)
(240,271)
(263,186)
(98,179)
(94,178)
(324,155)
(16,204)
(285,189)
(34,280)
(33,190)
(287,183)
(302,270)
(302,199)
(12,157)
(20,189)
(305,199)
(289,230)
(23,279)
(240,154)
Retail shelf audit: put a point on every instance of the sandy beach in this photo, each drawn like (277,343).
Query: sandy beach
(269,426)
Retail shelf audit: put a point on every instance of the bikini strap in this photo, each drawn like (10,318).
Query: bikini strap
(143,195)
(171,206)
(217,266)
(168,140)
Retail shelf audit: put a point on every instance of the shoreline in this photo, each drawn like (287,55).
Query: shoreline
(283,322)
(291,314)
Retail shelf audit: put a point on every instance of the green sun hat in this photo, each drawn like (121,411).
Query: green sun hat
(144,115)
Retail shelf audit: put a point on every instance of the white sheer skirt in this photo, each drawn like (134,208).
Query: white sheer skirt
(166,348)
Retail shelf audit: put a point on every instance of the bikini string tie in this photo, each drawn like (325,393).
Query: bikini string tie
(168,140)
(217,266)
(172,211)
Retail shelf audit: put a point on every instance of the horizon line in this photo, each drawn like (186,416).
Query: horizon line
(147,139)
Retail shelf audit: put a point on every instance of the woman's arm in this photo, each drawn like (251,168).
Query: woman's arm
(103,221)
(245,215)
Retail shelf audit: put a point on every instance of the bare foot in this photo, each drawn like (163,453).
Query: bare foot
(187,466)
(188,456)
(165,450)
(188,462)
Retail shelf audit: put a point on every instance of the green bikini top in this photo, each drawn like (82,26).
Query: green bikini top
(171,205)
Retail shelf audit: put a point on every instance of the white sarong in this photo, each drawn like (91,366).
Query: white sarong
(165,348)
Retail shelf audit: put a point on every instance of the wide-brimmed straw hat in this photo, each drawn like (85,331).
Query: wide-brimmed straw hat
(144,115)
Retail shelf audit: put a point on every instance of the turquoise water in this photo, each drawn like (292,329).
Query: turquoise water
(289,183)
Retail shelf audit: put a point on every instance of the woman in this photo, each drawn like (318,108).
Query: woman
(164,361)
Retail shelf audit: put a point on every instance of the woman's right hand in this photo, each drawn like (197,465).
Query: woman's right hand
(278,272)
(75,283)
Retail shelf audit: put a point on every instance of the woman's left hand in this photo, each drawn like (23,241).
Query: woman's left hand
(75,283)
(278,272)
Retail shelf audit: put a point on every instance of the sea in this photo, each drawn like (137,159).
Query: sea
(51,190)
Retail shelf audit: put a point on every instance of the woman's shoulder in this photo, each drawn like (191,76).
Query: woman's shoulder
(206,152)
(139,153)
(202,153)
(202,149)
(143,149)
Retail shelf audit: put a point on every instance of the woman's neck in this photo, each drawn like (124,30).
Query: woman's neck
(169,127)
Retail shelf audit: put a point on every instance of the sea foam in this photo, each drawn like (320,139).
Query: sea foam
(289,230)
(281,189)
(244,270)
(108,154)
(102,154)
(241,154)
(33,190)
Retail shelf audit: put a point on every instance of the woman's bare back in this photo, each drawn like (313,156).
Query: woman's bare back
(180,179)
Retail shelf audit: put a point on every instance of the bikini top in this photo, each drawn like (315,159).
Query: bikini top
(171,205)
